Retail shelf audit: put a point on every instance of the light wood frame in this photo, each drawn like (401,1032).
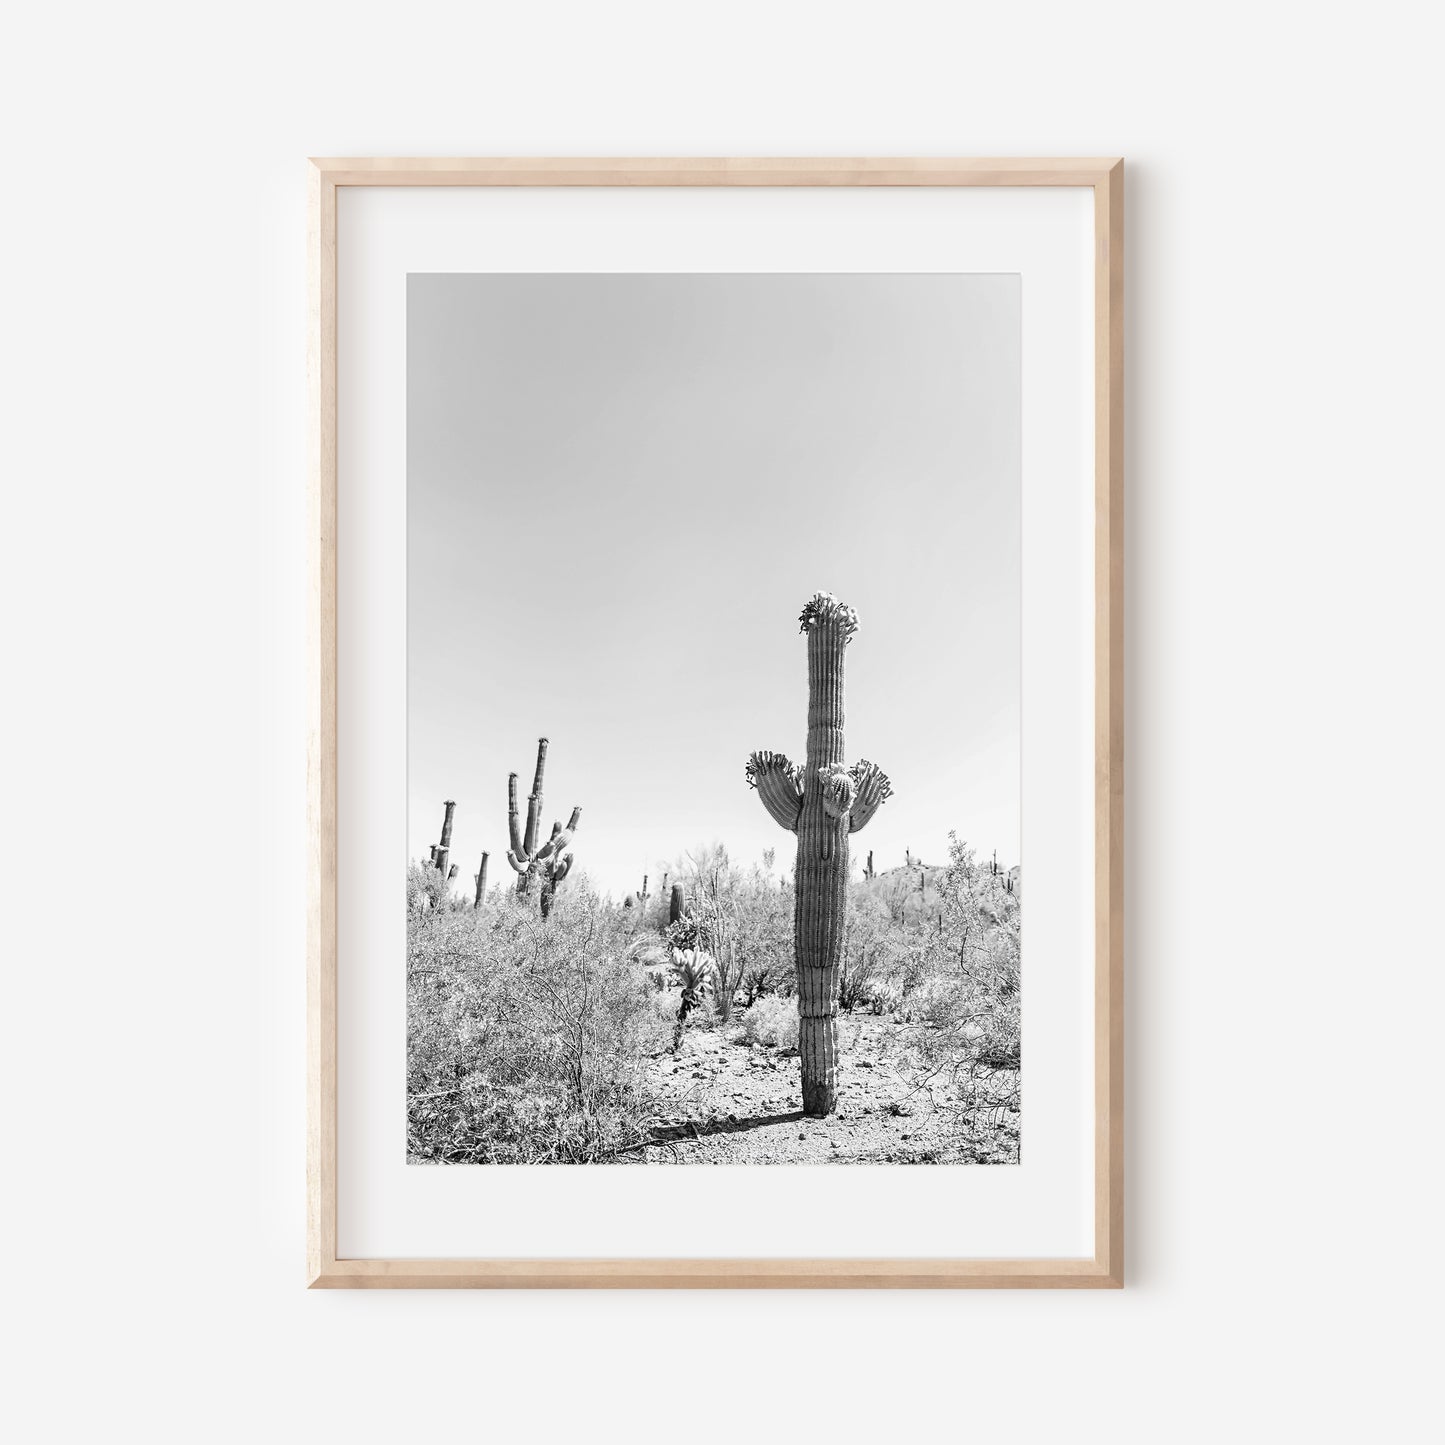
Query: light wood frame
(1105,1269)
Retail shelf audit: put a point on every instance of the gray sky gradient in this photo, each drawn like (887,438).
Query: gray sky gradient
(620,492)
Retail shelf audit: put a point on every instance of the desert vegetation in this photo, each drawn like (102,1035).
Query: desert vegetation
(605,1033)
(711,1018)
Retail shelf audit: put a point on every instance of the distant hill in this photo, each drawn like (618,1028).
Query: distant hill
(914,894)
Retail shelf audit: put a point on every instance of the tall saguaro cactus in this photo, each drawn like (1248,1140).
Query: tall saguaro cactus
(442,851)
(550,863)
(823,802)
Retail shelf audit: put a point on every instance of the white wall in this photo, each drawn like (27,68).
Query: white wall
(1284,716)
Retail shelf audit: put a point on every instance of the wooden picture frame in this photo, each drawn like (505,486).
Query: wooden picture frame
(1105,1269)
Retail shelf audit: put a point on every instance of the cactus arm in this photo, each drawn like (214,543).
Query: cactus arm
(562,868)
(776,780)
(517,865)
(871,790)
(559,842)
(534,801)
(513,827)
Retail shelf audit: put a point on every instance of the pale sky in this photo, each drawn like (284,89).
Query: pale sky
(620,492)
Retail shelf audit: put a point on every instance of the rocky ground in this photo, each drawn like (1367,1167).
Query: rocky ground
(726,1101)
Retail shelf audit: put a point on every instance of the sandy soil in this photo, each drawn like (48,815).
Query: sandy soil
(728,1102)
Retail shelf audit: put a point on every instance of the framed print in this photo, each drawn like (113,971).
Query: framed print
(716,621)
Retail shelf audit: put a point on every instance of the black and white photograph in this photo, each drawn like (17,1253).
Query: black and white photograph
(713,632)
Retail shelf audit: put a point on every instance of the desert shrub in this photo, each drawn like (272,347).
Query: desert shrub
(879,954)
(972,1023)
(921,1004)
(418,898)
(972,1043)
(526,1040)
(727,975)
(970,1034)
(980,915)
(856,975)
(427,890)
(765,931)
(999,1045)
(772,1021)
(654,958)
(885,997)
(772,975)
(743,918)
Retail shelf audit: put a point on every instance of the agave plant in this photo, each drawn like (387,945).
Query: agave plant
(692,970)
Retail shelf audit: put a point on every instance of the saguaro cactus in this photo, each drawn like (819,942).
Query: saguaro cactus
(548,864)
(481,881)
(823,803)
(677,904)
(441,852)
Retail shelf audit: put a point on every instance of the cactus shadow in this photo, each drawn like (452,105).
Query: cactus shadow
(703,1129)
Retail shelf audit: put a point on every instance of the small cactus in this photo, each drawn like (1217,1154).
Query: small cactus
(677,905)
(481,881)
(694,971)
